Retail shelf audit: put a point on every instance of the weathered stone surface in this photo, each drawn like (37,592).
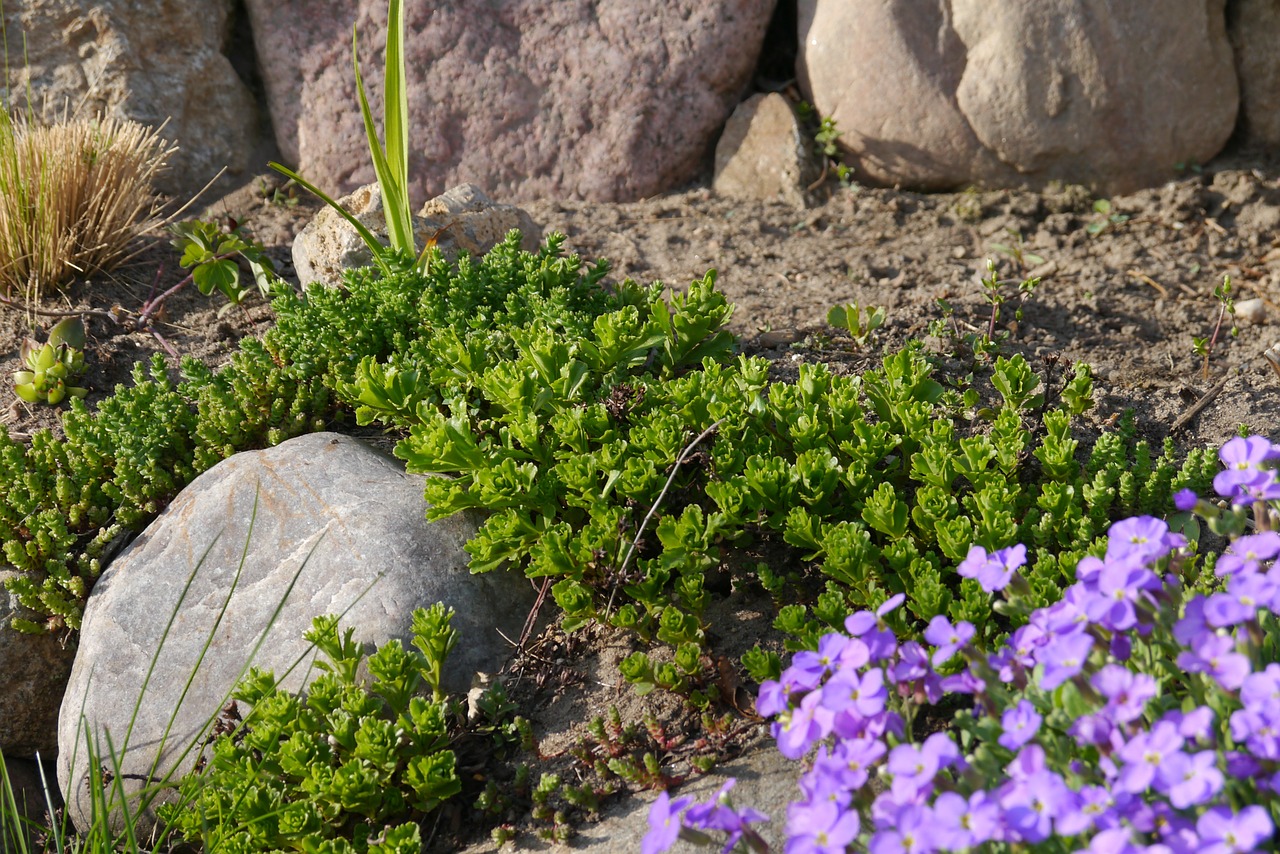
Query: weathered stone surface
(146,60)
(1105,93)
(35,669)
(764,153)
(765,781)
(597,99)
(1254,26)
(344,518)
(462,219)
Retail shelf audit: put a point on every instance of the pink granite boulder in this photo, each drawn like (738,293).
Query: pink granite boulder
(596,99)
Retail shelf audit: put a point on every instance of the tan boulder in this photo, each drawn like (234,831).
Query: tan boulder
(606,100)
(1106,93)
(1254,26)
(463,219)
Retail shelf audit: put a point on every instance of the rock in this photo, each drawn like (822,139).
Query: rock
(764,153)
(766,781)
(1109,94)
(1254,26)
(146,60)
(344,518)
(462,219)
(592,99)
(35,669)
(1251,311)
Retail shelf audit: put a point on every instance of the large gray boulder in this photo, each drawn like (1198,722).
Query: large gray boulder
(606,100)
(35,669)
(147,60)
(1111,94)
(321,524)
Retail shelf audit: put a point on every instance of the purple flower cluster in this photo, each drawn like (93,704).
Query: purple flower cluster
(1250,470)
(1125,717)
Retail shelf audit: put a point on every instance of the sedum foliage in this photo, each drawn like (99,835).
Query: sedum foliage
(347,768)
(561,405)
(860,486)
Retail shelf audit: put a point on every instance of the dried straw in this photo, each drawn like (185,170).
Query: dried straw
(73,194)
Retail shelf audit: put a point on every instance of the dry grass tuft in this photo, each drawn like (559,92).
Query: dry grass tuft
(73,195)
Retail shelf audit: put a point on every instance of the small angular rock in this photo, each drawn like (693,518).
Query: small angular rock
(463,219)
(764,153)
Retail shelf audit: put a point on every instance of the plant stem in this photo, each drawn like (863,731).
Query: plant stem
(1217,327)
(151,306)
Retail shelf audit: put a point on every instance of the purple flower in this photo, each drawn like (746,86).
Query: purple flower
(820,828)
(720,815)
(800,728)
(1031,805)
(664,824)
(1262,689)
(871,628)
(1087,808)
(1193,725)
(961,823)
(1245,476)
(1093,730)
(863,693)
(1246,593)
(1144,538)
(1247,552)
(1143,755)
(1021,723)
(849,762)
(912,832)
(947,638)
(1215,654)
(1189,780)
(772,699)
(914,766)
(816,665)
(1063,658)
(1224,833)
(1119,585)
(1126,692)
(1185,500)
(994,570)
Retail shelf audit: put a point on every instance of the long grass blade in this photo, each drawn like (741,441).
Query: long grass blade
(395,108)
(394,202)
(375,246)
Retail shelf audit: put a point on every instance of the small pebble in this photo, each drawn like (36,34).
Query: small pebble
(1251,310)
(779,337)
(958,252)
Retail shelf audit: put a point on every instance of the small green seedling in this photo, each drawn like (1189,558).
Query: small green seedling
(52,365)
(1016,250)
(1108,219)
(859,322)
(209,252)
(993,288)
(1203,347)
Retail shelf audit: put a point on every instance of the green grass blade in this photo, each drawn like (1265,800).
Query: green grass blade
(395,108)
(395,205)
(375,246)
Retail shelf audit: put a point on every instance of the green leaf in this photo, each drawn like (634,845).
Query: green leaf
(222,275)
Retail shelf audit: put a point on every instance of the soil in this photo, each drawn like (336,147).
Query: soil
(1125,291)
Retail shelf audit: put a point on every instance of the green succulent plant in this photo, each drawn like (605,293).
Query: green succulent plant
(52,365)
